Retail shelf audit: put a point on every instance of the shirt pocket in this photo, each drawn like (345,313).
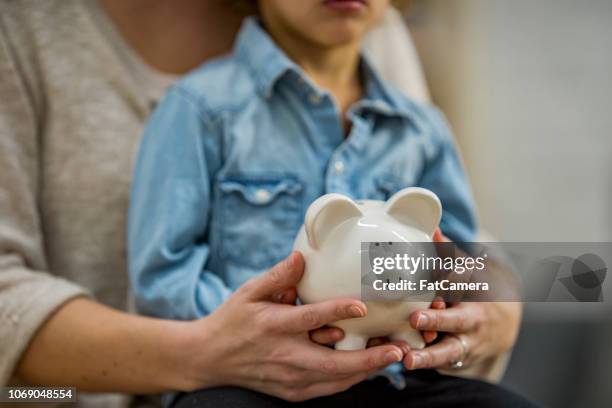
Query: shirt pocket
(261,215)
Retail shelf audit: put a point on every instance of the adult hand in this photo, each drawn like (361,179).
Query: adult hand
(482,329)
(485,330)
(257,340)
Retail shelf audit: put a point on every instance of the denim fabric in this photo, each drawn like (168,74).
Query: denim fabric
(238,149)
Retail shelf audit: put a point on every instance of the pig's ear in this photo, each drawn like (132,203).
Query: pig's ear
(416,206)
(325,214)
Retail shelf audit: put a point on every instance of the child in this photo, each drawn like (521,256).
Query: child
(238,149)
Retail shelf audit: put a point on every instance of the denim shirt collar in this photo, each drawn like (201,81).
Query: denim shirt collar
(261,55)
(269,64)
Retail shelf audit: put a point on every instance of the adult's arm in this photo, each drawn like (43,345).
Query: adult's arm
(28,294)
(94,348)
(49,332)
(250,341)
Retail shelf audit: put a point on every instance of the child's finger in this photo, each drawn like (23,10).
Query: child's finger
(327,335)
(402,345)
(439,237)
(429,336)
(377,341)
(288,297)
(438,303)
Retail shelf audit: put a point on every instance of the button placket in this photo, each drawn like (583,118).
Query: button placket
(336,171)
(360,131)
(336,175)
(339,166)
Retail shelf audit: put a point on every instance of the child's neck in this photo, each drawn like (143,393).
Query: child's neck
(335,69)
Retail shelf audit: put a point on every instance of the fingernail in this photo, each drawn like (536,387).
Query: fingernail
(392,357)
(421,321)
(356,311)
(417,361)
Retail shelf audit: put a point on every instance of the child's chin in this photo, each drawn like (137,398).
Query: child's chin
(339,35)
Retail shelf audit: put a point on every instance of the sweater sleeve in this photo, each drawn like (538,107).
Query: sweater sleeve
(28,293)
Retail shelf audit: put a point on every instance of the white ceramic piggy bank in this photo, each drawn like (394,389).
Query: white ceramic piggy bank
(330,240)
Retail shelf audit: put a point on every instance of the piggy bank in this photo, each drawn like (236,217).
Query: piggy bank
(331,240)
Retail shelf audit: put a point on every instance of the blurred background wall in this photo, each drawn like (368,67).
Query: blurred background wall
(527,87)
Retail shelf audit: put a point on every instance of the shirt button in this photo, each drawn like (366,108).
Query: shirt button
(314,99)
(262,195)
(339,166)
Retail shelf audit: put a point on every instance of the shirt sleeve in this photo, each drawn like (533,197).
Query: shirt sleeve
(444,175)
(28,293)
(169,213)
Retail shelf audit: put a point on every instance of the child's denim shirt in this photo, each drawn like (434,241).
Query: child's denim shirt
(238,149)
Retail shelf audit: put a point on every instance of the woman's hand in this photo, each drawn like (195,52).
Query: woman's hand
(259,341)
(479,331)
(487,329)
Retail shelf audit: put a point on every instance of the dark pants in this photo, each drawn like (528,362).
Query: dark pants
(425,388)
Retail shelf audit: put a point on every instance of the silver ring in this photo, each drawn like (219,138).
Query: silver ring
(455,365)
(459,363)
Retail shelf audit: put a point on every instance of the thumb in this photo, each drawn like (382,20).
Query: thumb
(282,276)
